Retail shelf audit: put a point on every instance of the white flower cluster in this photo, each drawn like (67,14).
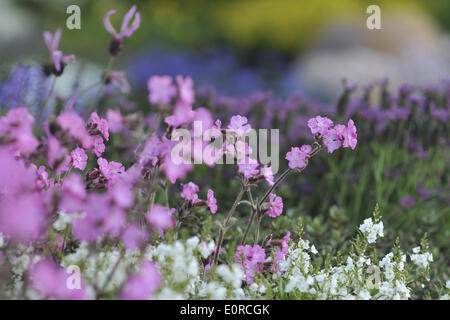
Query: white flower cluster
(185,277)
(372,230)
(421,259)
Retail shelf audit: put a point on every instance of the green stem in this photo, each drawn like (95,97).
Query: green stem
(225,224)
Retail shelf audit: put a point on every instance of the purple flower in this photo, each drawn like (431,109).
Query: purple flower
(161,90)
(132,237)
(212,202)
(99,124)
(189,192)
(275,206)
(126,30)
(249,170)
(52,42)
(296,158)
(142,285)
(161,218)
(115,120)
(110,170)
(407,202)
(319,124)
(350,136)
(73,125)
(239,124)
(52,281)
(17,126)
(185,90)
(331,140)
(79,158)
(268,174)
(249,257)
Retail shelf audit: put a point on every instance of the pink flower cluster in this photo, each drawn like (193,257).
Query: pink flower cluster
(334,137)
(251,259)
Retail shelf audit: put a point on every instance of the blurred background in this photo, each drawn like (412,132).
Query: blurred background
(239,46)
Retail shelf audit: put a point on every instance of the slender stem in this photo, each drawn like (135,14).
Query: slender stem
(101,290)
(252,217)
(44,104)
(225,224)
(166,194)
(277,182)
(105,76)
(258,222)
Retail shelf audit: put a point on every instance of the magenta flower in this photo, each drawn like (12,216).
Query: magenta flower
(212,202)
(185,90)
(239,124)
(268,174)
(161,89)
(142,285)
(319,124)
(58,58)
(173,171)
(98,146)
(296,158)
(115,120)
(161,218)
(52,282)
(100,124)
(249,170)
(17,126)
(110,170)
(189,192)
(331,140)
(275,206)
(126,30)
(249,257)
(42,180)
(73,125)
(350,136)
(132,237)
(57,157)
(79,158)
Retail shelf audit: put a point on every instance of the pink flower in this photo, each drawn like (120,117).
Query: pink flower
(268,175)
(249,257)
(249,170)
(115,120)
(185,90)
(99,146)
(17,126)
(23,217)
(350,136)
(57,157)
(280,255)
(212,202)
(306,150)
(73,125)
(161,217)
(42,180)
(110,170)
(275,206)
(79,158)
(142,285)
(52,42)
(296,158)
(126,30)
(239,124)
(173,171)
(319,124)
(189,192)
(161,89)
(331,140)
(52,281)
(100,124)
(132,237)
